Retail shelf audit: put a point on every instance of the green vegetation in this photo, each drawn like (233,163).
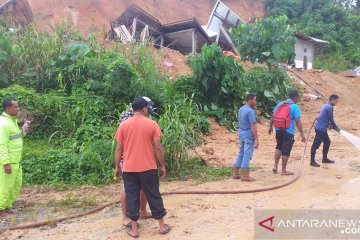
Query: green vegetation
(219,79)
(269,41)
(74,90)
(71,201)
(270,86)
(335,21)
(220,84)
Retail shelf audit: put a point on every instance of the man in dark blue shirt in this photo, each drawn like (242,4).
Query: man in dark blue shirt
(324,121)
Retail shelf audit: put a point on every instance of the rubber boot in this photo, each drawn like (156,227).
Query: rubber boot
(236,174)
(328,161)
(313,162)
(245,176)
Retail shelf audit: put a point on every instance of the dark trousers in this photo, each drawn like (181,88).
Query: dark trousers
(319,138)
(149,182)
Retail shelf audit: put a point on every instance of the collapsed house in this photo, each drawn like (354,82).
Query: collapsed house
(186,36)
(189,36)
(15,13)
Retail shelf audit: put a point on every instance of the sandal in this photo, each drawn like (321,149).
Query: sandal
(167,230)
(133,236)
(275,171)
(129,225)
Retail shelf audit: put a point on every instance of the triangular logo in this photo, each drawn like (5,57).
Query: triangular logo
(268,226)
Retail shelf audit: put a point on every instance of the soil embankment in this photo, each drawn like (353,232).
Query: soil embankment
(90,15)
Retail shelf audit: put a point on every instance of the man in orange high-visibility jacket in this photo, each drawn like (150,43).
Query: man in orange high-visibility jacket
(11,145)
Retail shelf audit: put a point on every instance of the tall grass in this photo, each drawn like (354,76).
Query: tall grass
(182,125)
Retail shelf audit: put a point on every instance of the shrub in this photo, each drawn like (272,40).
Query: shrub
(185,86)
(45,166)
(269,41)
(92,163)
(218,77)
(182,124)
(270,86)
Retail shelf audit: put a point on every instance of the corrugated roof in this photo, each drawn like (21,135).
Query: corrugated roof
(133,11)
(305,37)
(222,14)
(184,25)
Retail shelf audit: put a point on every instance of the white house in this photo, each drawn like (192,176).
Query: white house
(304,50)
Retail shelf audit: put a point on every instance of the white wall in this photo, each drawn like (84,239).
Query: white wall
(304,48)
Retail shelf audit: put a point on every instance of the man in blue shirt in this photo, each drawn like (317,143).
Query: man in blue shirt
(285,137)
(248,139)
(325,120)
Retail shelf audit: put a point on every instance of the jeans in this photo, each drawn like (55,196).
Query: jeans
(321,137)
(245,154)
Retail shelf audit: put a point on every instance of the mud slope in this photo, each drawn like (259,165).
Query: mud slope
(87,15)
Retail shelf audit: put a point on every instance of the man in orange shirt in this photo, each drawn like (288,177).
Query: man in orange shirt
(137,139)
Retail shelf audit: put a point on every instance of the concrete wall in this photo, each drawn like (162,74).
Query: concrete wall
(304,49)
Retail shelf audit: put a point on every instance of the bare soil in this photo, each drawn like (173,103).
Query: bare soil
(90,15)
(334,186)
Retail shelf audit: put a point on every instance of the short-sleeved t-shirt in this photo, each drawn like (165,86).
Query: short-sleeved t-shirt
(246,118)
(136,136)
(295,114)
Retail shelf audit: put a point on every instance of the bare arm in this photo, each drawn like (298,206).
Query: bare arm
(159,153)
(254,132)
(271,125)
(301,130)
(118,155)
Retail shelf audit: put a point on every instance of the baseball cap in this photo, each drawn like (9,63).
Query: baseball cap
(141,102)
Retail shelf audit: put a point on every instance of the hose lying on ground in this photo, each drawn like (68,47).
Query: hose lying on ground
(294,179)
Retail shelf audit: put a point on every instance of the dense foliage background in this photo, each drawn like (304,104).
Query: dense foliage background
(336,21)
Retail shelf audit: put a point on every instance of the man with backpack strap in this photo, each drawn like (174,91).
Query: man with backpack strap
(325,120)
(286,115)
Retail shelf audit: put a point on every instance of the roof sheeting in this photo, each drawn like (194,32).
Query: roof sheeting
(179,35)
(133,12)
(16,12)
(5,4)
(222,14)
(185,25)
(305,37)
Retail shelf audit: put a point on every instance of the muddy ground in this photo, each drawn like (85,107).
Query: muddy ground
(334,186)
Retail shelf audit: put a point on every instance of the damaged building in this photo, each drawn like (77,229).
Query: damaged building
(187,36)
(15,13)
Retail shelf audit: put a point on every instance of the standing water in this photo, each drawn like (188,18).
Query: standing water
(351,138)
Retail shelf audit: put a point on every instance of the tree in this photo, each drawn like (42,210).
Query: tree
(336,21)
(269,41)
